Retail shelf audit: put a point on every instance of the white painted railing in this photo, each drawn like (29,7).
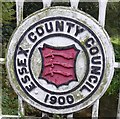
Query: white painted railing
(74,4)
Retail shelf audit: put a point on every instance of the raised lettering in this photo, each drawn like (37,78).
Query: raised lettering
(78,30)
(96,60)
(95,70)
(59,26)
(22,51)
(31,87)
(40,30)
(50,28)
(70,25)
(84,87)
(89,84)
(61,100)
(23,71)
(89,42)
(93,79)
(94,50)
(22,62)
(32,37)
(53,99)
(70,99)
(25,79)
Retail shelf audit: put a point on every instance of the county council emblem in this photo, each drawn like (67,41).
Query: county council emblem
(58,64)
(58,60)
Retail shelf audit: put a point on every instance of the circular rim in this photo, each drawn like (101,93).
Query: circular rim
(81,17)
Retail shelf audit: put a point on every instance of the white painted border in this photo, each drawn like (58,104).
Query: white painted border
(76,14)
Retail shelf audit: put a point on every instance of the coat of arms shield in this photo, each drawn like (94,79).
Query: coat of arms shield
(58,64)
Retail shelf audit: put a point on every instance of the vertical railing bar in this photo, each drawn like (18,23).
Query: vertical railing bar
(70,116)
(19,11)
(101,19)
(118,110)
(95,110)
(46,3)
(0,97)
(102,14)
(102,11)
(21,111)
(74,3)
(19,15)
(44,115)
(117,65)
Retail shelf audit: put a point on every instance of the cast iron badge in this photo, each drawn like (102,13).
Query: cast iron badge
(58,64)
(60,60)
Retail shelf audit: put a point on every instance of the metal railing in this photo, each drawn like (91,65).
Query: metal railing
(74,4)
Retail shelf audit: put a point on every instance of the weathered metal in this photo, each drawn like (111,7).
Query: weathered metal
(46,3)
(74,3)
(83,29)
(118,109)
(19,17)
(95,110)
(102,10)
(101,19)
(2,60)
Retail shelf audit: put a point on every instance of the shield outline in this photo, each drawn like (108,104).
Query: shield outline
(59,48)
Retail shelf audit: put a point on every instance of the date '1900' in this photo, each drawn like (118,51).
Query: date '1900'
(61,100)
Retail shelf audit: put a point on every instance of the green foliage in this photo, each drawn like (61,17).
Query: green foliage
(9,98)
(115,84)
(9,101)
(29,110)
(113,18)
(116,45)
(8,12)
(8,22)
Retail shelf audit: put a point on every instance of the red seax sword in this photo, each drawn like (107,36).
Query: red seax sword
(58,64)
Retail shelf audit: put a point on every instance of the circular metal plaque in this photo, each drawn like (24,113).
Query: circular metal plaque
(60,60)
